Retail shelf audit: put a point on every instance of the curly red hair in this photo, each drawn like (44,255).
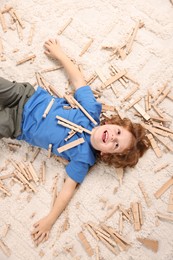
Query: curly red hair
(139,144)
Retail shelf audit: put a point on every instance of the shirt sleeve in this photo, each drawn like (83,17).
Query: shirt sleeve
(85,97)
(77,170)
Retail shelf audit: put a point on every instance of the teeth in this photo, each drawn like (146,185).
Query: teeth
(106,136)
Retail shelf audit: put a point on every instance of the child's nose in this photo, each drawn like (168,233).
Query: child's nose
(113,137)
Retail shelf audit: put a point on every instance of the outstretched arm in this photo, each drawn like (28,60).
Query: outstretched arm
(54,50)
(43,226)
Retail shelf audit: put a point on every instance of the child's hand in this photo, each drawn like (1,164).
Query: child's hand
(41,230)
(53,49)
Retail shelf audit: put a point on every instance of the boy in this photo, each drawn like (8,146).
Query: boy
(22,118)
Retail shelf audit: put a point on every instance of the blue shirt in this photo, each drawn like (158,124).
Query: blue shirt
(41,132)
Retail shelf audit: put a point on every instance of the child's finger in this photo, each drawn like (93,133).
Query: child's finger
(47,53)
(47,236)
(36,224)
(35,231)
(41,238)
(36,237)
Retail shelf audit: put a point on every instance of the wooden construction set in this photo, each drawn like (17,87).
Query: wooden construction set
(25,174)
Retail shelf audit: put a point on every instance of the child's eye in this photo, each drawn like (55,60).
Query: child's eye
(119,132)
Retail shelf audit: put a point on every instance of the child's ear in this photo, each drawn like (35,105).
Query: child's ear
(101,153)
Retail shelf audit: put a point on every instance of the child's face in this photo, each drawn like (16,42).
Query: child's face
(110,138)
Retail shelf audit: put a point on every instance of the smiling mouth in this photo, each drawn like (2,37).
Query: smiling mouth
(105,136)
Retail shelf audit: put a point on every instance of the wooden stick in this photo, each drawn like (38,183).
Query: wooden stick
(164,216)
(160,119)
(110,214)
(43,172)
(161,167)
(163,141)
(4,189)
(3,23)
(5,248)
(147,200)
(70,126)
(70,145)
(31,34)
(92,232)
(151,244)
(163,128)
(18,18)
(86,47)
(115,70)
(118,238)
(84,111)
(154,145)
(4,177)
(132,38)
(19,30)
(24,180)
(134,89)
(107,244)
(132,103)
(33,173)
(164,188)
(120,223)
(51,69)
(158,110)
(165,93)
(37,150)
(124,212)
(160,90)
(6,9)
(71,134)
(120,174)
(26,59)
(85,244)
(113,78)
(5,230)
(136,216)
(48,108)
(49,151)
(65,26)
(142,112)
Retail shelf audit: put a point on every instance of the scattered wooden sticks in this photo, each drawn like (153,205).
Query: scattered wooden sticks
(164,216)
(31,34)
(70,145)
(120,174)
(3,22)
(48,108)
(65,26)
(154,145)
(49,150)
(124,49)
(43,172)
(30,57)
(86,47)
(113,78)
(54,191)
(149,243)
(147,200)
(85,244)
(132,37)
(161,167)
(84,111)
(5,248)
(137,215)
(71,125)
(164,188)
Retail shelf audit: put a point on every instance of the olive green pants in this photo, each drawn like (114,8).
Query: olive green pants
(13,97)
